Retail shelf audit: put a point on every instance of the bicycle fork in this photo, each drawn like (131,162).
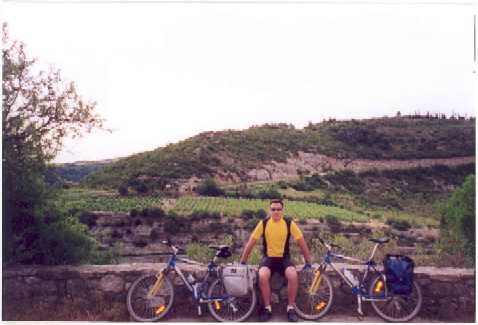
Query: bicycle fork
(154,289)
(315,285)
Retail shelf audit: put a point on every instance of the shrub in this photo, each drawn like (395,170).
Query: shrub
(174,224)
(261,214)
(88,219)
(215,216)
(116,234)
(270,193)
(123,190)
(251,214)
(209,188)
(67,242)
(145,212)
(282,184)
(217,227)
(199,252)
(247,214)
(398,224)
(156,212)
(333,222)
(133,213)
(139,186)
(251,223)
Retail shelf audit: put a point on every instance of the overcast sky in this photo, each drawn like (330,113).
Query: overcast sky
(162,72)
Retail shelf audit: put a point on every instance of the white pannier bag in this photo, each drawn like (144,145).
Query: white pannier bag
(238,279)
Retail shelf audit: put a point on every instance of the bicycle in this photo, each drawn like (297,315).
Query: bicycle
(151,297)
(315,299)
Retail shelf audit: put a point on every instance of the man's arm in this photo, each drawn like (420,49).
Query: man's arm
(304,249)
(247,250)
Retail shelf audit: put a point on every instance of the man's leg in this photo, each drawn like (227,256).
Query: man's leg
(265,284)
(292,284)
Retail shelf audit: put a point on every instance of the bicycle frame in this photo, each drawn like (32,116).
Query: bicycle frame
(197,289)
(359,289)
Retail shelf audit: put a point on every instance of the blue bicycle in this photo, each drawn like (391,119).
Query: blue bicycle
(151,297)
(315,296)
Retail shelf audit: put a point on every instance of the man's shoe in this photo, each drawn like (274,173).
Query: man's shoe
(265,315)
(292,315)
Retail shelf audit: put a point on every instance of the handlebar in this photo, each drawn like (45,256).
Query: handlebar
(170,244)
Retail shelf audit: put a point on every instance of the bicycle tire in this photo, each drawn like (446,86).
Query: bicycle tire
(137,301)
(306,303)
(216,289)
(383,307)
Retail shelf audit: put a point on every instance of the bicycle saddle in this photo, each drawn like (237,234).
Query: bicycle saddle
(382,240)
(221,250)
(218,247)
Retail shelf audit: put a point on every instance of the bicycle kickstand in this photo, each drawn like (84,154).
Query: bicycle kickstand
(360,314)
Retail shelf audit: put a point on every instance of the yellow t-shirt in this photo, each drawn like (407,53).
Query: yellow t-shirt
(276,235)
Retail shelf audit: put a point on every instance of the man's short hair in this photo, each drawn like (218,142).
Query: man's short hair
(277,201)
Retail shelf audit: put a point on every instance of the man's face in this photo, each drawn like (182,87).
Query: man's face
(276,210)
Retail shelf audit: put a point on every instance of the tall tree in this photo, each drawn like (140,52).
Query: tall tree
(38,110)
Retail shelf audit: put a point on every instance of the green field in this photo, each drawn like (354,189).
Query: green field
(234,207)
(96,200)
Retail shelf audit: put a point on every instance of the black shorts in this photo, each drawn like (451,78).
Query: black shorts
(276,264)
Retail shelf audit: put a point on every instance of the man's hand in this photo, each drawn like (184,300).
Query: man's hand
(306,267)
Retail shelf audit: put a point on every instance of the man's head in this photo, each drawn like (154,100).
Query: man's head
(277,209)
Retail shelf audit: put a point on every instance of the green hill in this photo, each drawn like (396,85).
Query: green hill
(233,152)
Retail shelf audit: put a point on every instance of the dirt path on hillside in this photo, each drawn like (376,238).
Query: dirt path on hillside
(316,163)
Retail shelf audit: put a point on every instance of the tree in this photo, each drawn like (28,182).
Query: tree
(458,218)
(38,110)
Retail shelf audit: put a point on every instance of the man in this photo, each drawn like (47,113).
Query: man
(276,256)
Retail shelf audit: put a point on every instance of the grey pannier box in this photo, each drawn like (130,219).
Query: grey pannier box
(238,279)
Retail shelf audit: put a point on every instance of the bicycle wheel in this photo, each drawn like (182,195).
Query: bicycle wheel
(396,308)
(144,309)
(234,309)
(314,303)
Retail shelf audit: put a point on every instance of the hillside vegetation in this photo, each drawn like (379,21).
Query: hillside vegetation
(236,152)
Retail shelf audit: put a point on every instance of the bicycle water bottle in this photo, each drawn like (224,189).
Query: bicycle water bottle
(350,277)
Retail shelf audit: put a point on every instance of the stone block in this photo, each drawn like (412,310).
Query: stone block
(77,289)
(441,289)
(30,280)
(111,283)
(15,290)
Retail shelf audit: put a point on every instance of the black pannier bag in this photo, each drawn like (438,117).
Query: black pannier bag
(399,274)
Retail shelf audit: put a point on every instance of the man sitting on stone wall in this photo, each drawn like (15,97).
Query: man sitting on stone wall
(275,231)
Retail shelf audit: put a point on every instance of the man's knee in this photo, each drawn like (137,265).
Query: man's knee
(291,273)
(264,274)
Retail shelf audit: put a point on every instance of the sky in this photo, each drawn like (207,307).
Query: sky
(163,72)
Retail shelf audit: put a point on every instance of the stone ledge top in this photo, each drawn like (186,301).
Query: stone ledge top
(81,271)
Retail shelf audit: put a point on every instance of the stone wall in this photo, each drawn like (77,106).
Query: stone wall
(138,239)
(99,292)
